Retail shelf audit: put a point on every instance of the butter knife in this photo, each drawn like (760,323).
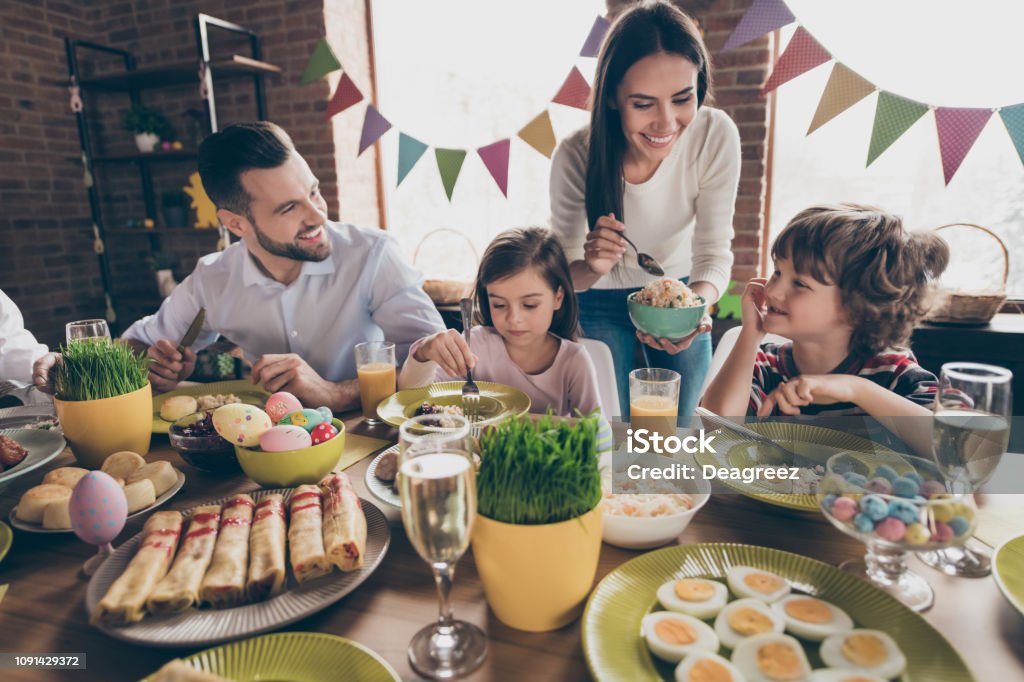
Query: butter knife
(193,331)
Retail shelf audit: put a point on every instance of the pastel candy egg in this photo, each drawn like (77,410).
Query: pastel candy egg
(844,508)
(943,512)
(863,523)
(879,485)
(323,432)
(915,477)
(917,534)
(326,412)
(891,529)
(284,437)
(904,486)
(942,533)
(307,418)
(98,508)
(856,479)
(932,488)
(241,424)
(828,501)
(904,510)
(280,404)
(887,472)
(959,524)
(874,507)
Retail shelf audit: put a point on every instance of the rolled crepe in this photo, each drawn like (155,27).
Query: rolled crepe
(266,549)
(178,671)
(224,583)
(179,589)
(344,524)
(305,534)
(124,601)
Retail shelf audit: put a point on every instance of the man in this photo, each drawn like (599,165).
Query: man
(298,292)
(18,347)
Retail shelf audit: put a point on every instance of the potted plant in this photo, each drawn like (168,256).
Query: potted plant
(175,208)
(537,536)
(103,399)
(149,126)
(162,264)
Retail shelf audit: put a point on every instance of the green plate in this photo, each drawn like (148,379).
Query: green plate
(42,446)
(246,391)
(814,443)
(1008,570)
(6,538)
(296,657)
(615,650)
(497,401)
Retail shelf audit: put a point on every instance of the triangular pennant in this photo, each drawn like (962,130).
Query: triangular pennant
(764,16)
(958,130)
(374,125)
(802,54)
(539,134)
(593,43)
(844,89)
(575,91)
(409,152)
(495,157)
(449,163)
(321,63)
(1013,119)
(345,95)
(893,116)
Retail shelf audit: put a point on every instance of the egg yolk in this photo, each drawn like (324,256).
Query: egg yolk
(809,610)
(865,650)
(748,621)
(707,670)
(764,583)
(778,661)
(694,590)
(674,631)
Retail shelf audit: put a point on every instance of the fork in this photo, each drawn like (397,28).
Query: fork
(470,392)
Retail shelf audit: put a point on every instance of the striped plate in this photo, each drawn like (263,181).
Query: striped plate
(1008,571)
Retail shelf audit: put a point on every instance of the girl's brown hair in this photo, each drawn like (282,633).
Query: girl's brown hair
(883,272)
(513,251)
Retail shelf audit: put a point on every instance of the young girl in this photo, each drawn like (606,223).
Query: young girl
(848,286)
(528,321)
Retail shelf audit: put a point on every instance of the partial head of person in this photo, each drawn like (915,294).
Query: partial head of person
(265,192)
(524,289)
(853,266)
(653,73)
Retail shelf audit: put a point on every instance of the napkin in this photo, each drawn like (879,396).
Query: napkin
(358,448)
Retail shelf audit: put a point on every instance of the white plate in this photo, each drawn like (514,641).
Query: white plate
(378,488)
(203,627)
(38,528)
(42,446)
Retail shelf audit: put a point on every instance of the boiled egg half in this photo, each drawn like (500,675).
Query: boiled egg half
(772,658)
(812,618)
(707,667)
(870,651)
(695,597)
(745,618)
(754,583)
(673,636)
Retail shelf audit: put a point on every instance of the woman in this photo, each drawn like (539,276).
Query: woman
(655,159)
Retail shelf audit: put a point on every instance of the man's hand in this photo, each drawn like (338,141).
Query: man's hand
(289,372)
(680,345)
(43,373)
(811,389)
(167,366)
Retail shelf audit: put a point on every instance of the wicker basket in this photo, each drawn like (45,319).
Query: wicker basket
(963,307)
(443,291)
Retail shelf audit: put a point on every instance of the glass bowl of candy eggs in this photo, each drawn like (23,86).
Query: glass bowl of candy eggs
(894,507)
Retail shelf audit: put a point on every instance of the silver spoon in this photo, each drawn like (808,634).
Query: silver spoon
(648,263)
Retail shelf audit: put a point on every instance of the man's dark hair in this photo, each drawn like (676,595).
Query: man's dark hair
(225,155)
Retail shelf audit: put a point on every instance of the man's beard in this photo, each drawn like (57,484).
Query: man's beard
(291,250)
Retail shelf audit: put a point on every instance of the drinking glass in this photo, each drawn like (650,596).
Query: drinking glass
(437,484)
(970,434)
(375,367)
(87,329)
(654,400)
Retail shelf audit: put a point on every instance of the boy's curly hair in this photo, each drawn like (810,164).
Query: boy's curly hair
(883,272)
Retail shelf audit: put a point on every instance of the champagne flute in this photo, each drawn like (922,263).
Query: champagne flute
(970,434)
(87,329)
(437,484)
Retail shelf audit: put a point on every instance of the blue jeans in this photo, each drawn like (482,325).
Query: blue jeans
(604,316)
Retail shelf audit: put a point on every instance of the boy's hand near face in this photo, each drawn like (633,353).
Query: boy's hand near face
(754,307)
(812,389)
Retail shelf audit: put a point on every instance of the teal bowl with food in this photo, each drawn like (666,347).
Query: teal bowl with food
(666,309)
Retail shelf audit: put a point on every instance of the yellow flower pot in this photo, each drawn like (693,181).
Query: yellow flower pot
(97,428)
(536,578)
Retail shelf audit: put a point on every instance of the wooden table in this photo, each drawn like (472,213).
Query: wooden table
(44,610)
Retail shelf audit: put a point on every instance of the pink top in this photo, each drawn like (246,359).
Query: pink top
(569,384)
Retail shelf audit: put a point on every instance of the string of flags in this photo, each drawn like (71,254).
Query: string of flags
(958,127)
(538,133)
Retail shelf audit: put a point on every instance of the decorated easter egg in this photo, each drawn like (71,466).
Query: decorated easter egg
(241,424)
(326,412)
(98,508)
(280,404)
(323,432)
(307,418)
(285,437)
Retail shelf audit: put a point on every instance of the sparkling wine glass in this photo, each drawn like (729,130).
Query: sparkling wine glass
(970,434)
(87,329)
(437,484)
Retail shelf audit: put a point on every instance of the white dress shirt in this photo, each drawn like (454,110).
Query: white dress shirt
(18,348)
(363,291)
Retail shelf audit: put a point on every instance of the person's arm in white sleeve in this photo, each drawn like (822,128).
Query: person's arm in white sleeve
(19,349)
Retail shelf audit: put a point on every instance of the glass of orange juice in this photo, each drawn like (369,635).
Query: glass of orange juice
(654,400)
(375,367)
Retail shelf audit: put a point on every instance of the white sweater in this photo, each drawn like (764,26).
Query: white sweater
(682,216)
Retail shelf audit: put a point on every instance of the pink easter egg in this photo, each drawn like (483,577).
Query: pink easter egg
(891,529)
(280,404)
(284,437)
(98,508)
(844,508)
(942,532)
(879,485)
(929,488)
(323,432)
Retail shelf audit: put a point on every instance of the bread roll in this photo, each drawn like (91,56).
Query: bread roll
(57,515)
(160,472)
(33,503)
(122,464)
(140,495)
(65,476)
(178,406)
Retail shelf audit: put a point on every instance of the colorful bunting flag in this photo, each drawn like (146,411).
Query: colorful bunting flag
(495,157)
(844,89)
(893,116)
(592,46)
(958,130)
(409,152)
(321,63)
(1013,119)
(575,91)
(539,134)
(802,54)
(763,16)
(449,163)
(345,95)
(374,125)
